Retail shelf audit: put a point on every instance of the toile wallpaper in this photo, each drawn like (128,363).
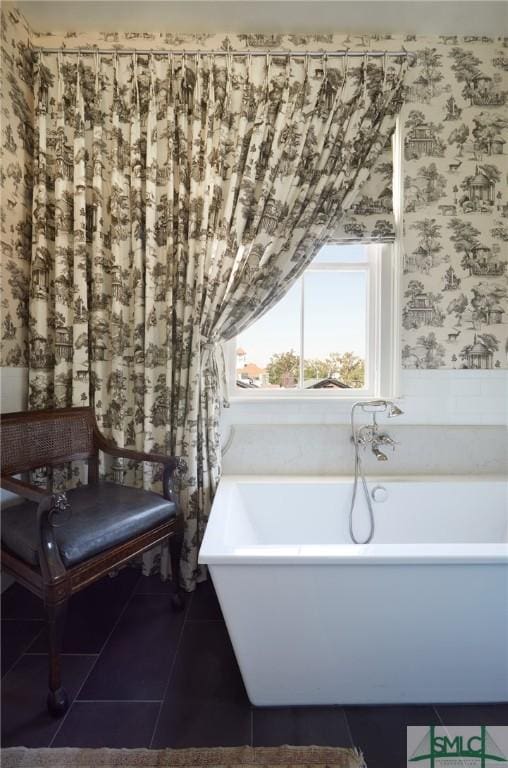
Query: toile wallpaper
(455,128)
(16,183)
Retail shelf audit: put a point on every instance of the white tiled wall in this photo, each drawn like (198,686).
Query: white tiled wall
(13,389)
(427,397)
(13,397)
(453,422)
(455,397)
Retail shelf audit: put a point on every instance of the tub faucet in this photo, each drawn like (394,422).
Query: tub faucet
(370,434)
(381,438)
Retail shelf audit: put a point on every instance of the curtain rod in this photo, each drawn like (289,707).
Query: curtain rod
(141,51)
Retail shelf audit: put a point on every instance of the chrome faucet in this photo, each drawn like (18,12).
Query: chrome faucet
(367,435)
(370,433)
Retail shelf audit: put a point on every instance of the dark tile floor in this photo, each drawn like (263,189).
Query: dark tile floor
(139,675)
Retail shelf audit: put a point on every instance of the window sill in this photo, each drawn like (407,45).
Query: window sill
(289,410)
(320,398)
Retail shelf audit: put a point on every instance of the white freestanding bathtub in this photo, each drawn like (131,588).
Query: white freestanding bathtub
(418,615)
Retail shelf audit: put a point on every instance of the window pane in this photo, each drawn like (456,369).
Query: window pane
(341,253)
(268,353)
(335,325)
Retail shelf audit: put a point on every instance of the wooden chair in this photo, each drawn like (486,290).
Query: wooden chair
(56,544)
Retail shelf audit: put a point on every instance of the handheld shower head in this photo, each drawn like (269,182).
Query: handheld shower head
(378,406)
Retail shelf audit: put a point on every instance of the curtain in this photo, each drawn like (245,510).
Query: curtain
(370,218)
(176,199)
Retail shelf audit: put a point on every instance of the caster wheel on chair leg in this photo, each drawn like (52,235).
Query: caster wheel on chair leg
(177,602)
(58,703)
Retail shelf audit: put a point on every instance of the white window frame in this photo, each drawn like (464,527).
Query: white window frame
(382,330)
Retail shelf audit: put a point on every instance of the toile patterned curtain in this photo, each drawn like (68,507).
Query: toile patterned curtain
(176,199)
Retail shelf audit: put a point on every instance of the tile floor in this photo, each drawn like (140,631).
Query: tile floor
(139,675)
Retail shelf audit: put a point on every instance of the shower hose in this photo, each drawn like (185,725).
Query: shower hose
(359,474)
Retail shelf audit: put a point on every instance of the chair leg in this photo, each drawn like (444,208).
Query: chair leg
(175,551)
(57,697)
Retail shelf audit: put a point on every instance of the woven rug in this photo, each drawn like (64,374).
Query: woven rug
(231,757)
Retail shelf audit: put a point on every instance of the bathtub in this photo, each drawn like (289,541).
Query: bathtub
(419,615)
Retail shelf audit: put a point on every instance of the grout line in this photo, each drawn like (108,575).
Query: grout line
(438,715)
(118,701)
(5,672)
(170,674)
(40,653)
(41,632)
(204,621)
(342,710)
(156,594)
(64,718)
(443,725)
(350,732)
(23,653)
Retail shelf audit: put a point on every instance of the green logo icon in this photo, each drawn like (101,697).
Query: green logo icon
(476,745)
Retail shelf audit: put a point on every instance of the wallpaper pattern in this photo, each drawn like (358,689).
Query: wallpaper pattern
(455,128)
(16,183)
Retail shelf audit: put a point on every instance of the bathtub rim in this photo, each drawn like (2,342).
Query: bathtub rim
(214,551)
(339,478)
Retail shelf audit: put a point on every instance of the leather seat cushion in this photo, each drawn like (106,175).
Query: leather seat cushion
(103,515)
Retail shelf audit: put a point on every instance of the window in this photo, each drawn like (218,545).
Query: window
(331,335)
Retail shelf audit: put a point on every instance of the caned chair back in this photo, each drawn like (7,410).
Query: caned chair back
(32,439)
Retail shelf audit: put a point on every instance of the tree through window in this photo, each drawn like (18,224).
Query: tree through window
(320,335)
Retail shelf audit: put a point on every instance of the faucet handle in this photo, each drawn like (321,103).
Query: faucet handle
(365,435)
(384,439)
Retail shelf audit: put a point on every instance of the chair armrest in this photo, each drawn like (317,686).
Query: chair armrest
(25,490)
(51,565)
(170,463)
(128,453)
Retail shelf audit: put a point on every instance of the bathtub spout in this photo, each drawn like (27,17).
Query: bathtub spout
(380,456)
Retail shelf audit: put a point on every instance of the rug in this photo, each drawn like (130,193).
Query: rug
(220,757)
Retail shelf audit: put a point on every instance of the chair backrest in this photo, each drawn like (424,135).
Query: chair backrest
(31,439)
